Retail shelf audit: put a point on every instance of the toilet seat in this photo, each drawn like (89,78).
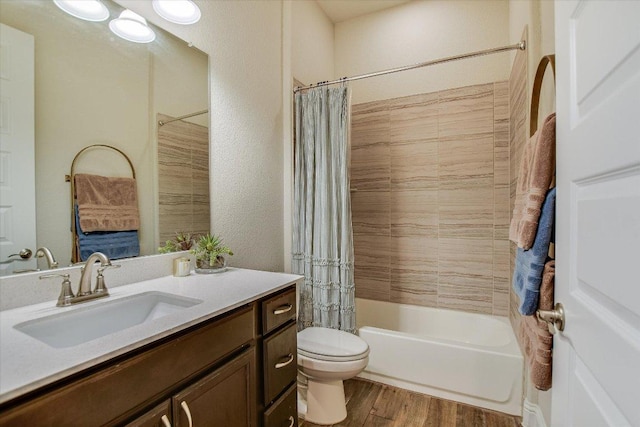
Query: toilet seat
(331,345)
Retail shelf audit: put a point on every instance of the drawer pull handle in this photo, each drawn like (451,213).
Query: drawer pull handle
(292,421)
(186,410)
(286,362)
(285,308)
(165,421)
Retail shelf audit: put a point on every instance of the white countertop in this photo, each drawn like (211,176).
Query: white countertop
(27,363)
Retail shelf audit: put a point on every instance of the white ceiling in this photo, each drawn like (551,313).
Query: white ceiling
(342,10)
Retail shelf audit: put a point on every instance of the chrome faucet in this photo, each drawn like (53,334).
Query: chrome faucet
(46,253)
(84,288)
(85,277)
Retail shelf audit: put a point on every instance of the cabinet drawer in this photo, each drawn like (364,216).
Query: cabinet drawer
(278,310)
(284,411)
(280,362)
(114,393)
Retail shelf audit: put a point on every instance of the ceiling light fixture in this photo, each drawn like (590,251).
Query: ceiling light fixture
(132,27)
(182,12)
(89,10)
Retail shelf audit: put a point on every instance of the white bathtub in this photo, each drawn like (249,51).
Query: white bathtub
(466,357)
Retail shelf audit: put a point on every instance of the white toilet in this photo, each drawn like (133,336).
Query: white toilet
(326,357)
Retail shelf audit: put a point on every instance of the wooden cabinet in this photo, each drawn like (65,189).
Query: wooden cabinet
(160,416)
(284,411)
(216,373)
(278,310)
(224,398)
(279,360)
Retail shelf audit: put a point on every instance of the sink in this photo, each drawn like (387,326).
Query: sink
(87,323)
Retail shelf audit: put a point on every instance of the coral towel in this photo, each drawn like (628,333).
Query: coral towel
(107,203)
(535,337)
(537,169)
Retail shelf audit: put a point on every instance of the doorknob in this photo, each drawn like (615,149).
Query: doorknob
(24,254)
(553,317)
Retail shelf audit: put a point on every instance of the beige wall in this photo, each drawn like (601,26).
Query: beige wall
(312,43)
(244,42)
(421,31)
(431,206)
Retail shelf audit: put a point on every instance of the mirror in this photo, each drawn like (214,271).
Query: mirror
(91,87)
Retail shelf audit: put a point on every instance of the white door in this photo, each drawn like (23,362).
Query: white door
(596,373)
(17,161)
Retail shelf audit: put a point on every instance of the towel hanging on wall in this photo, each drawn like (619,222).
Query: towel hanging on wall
(114,244)
(535,337)
(537,169)
(95,199)
(107,203)
(527,275)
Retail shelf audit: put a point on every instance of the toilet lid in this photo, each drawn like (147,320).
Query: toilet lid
(331,344)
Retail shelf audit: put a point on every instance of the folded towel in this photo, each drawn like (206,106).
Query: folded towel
(114,244)
(547,286)
(107,203)
(527,275)
(536,174)
(535,337)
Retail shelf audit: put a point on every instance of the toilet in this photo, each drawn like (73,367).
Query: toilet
(327,357)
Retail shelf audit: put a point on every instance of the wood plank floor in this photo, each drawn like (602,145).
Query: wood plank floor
(373,404)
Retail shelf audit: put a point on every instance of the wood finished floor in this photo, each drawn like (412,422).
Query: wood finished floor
(373,404)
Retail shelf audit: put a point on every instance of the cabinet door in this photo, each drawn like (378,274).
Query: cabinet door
(160,416)
(225,398)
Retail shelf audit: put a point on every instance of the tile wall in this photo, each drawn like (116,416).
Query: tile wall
(430,199)
(518,131)
(183,178)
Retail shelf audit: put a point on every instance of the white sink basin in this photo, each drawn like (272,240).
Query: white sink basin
(87,323)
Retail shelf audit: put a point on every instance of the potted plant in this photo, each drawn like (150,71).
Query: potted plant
(180,242)
(209,252)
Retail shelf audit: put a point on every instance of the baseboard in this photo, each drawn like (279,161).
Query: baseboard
(532,415)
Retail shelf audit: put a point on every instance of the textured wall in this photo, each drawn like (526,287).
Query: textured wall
(244,42)
(431,206)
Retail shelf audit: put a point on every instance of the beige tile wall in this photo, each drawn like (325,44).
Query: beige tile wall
(183,178)
(518,131)
(431,200)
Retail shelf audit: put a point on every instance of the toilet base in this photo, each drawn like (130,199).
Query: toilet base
(326,403)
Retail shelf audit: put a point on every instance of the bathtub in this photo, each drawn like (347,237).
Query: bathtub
(466,357)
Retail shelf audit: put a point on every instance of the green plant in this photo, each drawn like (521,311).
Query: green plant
(181,242)
(209,248)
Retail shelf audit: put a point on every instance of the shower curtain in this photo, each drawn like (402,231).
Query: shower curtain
(322,232)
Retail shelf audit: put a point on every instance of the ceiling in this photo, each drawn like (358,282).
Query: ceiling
(342,10)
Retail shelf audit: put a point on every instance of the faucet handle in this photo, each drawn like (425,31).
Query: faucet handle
(101,288)
(66,294)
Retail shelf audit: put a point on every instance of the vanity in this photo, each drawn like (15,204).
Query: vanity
(215,349)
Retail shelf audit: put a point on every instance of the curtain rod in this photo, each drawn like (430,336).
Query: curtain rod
(186,116)
(520,46)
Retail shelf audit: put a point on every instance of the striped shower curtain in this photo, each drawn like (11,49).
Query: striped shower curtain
(322,232)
